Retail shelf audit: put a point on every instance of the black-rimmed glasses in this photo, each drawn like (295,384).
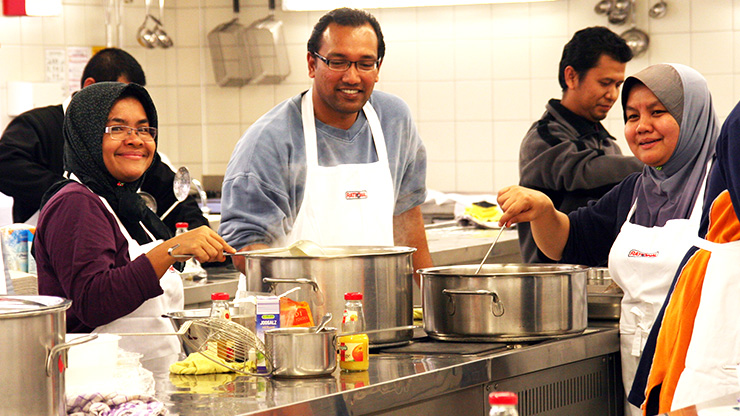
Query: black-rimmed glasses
(121,132)
(363,65)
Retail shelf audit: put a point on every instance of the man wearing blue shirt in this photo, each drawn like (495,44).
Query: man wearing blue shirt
(338,164)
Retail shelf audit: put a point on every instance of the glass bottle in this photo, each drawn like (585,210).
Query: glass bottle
(220,310)
(503,403)
(353,349)
(181,227)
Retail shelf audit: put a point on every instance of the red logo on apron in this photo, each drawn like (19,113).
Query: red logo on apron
(355,195)
(638,253)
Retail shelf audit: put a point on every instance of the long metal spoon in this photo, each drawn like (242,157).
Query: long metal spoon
(181,188)
(490,249)
(325,320)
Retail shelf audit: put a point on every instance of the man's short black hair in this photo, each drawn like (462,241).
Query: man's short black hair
(585,48)
(345,17)
(109,64)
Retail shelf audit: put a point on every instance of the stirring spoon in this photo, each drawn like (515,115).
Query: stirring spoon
(490,249)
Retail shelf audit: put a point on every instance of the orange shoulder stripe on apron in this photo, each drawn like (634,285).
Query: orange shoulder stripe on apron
(678,321)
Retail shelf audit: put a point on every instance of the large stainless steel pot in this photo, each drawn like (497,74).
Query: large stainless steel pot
(384,275)
(33,354)
(504,302)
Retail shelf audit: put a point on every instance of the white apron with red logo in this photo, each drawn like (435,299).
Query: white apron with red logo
(148,316)
(643,262)
(345,205)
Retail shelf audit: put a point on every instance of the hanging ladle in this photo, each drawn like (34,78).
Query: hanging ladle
(490,249)
(181,188)
(146,37)
(162,37)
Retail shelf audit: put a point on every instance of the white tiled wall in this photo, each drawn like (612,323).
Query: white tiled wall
(475,77)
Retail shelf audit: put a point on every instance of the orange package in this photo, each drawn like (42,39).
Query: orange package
(294,313)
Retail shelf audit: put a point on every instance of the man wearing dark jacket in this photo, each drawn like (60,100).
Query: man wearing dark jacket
(32,146)
(568,154)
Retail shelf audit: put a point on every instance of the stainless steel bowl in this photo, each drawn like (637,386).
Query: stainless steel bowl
(298,352)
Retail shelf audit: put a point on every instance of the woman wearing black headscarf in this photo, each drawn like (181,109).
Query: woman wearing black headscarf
(96,242)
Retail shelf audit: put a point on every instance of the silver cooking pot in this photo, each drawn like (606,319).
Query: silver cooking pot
(384,275)
(504,302)
(33,354)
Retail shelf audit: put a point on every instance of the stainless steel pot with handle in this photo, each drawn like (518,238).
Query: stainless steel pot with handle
(504,302)
(33,354)
(384,275)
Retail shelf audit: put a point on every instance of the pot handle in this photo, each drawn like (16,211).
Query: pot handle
(300,281)
(65,346)
(497,307)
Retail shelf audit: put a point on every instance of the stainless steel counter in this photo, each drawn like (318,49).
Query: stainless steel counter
(429,383)
(448,244)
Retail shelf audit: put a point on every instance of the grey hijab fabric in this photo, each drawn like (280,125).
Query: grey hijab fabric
(84,127)
(670,191)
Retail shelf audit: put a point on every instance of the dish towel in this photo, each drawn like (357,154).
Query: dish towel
(482,214)
(197,363)
(114,404)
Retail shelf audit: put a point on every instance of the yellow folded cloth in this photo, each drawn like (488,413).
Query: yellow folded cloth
(418,314)
(197,363)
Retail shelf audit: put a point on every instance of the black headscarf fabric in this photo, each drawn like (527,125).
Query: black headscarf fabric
(84,126)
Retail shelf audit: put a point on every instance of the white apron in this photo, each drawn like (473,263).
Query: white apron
(349,204)
(148,316)
(643,262)
(715,341)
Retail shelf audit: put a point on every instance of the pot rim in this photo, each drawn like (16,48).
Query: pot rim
(359,251)
(49,304)
(501,269)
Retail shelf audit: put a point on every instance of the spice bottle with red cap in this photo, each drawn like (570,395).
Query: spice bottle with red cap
(503,403)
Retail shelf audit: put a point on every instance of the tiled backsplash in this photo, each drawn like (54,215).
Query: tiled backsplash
(475,77)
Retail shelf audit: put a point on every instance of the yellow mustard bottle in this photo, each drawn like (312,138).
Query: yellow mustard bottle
(353,349)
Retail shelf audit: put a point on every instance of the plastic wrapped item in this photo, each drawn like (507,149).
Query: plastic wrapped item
(17,239)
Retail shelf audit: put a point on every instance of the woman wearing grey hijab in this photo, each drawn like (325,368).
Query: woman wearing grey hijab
(645,225)
(96,243)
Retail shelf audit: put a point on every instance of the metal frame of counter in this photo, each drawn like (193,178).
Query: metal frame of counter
(395,384)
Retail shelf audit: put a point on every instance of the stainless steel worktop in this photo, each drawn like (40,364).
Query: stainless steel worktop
(429,383)
(448,244)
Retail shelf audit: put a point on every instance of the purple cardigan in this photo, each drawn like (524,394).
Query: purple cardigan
(82,255)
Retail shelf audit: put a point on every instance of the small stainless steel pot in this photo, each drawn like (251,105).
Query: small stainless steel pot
(504,302)
(299,352)
(33,354)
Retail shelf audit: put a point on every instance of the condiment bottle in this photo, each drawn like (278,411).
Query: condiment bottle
(503,403)
(353,349)
(181,228)
(220,306)
(220,310)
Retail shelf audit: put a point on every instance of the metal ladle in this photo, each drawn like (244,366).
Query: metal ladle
(146,37)
(162,37)
(490,249)
(181,188)
(658,10)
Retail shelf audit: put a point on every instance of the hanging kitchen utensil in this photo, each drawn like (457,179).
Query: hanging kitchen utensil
(181,188)
(268,54)
(231,345)
(163,38)
(229,54)
(658,10)
(636,39)
(490,249)
(146,36)
(603,6)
